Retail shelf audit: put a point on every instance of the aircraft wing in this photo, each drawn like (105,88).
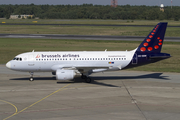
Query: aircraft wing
(81,68)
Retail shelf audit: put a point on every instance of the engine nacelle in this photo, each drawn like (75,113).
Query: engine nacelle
(65,74)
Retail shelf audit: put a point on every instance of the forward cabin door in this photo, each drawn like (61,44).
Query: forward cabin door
(31,60)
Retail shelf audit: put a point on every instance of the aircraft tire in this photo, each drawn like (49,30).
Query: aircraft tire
(88,80)
(83,77)
(31,79)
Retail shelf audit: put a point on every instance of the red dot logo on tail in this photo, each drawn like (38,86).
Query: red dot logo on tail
(159,43)
(150,36)
(148,40)
(145,44)
(156,46)
(143,49)
(160,40)
(150,48)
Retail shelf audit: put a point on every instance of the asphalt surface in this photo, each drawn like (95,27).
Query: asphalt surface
(83,37)
(120,95)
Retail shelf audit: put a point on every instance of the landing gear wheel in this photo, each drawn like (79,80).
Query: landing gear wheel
(31,79)
(83,77)
(88,80)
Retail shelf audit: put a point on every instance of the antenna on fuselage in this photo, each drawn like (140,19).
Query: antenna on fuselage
(105,50)
(33,51)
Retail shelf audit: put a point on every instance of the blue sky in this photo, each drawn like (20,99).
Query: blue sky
(98,2)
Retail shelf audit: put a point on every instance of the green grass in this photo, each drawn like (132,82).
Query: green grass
(86,30)
(10,47)
(89,21)
(83,30)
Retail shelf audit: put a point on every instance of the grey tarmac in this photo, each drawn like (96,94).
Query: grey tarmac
(119,95)
(84,37)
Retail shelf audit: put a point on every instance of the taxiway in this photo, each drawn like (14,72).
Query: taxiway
(121,95)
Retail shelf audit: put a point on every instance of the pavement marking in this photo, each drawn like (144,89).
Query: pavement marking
(11,105)
(35,102)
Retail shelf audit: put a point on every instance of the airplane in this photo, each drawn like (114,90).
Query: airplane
(66,65)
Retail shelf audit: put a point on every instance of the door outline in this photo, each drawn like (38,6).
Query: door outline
(134,60)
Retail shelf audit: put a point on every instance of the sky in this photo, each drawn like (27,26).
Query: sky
(95,2)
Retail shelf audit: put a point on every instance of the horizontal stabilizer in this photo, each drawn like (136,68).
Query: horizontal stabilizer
(159,56)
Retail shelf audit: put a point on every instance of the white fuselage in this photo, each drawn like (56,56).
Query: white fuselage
(51,61)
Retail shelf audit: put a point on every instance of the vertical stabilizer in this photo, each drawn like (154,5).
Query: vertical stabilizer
(154,41)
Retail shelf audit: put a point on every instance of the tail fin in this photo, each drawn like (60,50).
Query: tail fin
(154,41)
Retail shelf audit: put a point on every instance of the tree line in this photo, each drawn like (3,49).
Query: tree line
(90,11)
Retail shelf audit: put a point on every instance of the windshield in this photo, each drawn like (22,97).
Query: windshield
(17,59)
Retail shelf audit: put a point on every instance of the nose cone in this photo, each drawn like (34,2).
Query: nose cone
(8,65)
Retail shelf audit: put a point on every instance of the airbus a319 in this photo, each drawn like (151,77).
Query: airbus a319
(66,65)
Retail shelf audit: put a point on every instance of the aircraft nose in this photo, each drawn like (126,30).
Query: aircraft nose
(8,65)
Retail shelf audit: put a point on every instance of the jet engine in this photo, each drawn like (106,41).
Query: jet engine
(65,74)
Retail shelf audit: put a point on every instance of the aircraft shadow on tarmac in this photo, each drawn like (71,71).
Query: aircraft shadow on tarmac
(96,79)
(153,75)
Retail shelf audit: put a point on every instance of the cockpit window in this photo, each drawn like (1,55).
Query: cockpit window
(17,59)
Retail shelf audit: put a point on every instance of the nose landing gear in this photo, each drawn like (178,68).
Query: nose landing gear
(31,78)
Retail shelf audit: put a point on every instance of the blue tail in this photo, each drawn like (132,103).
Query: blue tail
(154,41)
(149,51)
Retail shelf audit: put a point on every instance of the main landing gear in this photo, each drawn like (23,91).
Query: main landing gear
(87,79)
(31,78)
